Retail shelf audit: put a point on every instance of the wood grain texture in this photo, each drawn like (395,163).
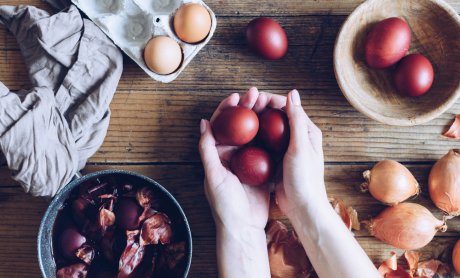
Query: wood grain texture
(259,8)
(21,215)
(435,30)
(156,125)
(153,122)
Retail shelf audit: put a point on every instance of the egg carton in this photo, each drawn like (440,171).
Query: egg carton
(132,23)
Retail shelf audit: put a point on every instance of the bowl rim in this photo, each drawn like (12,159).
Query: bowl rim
(345,88)
(56,203)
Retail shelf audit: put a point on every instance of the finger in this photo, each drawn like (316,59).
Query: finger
(208,151)
(297,121)
(231,100)
(269,100)
(316,137)
(276,101)
(250,98)
(261,103)
(225,154)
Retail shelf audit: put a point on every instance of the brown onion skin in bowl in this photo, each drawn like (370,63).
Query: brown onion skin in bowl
(444,183)
(126,204)
(407,226)
(390,182)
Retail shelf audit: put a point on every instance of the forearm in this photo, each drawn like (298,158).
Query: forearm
(330,246)
(242,252)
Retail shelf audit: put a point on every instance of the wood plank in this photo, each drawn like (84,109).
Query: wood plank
(341,180)
(155,122)
(308,63)
(164,127)
(258,8)
(21,216)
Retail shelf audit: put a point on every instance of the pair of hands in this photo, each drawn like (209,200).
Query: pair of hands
(301,184)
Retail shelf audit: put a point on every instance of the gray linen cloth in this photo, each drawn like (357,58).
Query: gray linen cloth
(48,133)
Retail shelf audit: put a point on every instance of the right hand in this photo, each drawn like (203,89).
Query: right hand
(302,182)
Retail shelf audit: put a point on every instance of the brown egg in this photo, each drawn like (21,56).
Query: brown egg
(163,55)
(192,23)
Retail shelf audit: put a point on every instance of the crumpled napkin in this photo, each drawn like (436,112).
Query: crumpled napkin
(48,133)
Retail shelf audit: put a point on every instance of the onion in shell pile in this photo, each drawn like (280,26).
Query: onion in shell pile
(444,183)
(390,182)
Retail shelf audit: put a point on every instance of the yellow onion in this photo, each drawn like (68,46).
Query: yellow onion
(390,182)
(407,226)
(444,183)
(456,257)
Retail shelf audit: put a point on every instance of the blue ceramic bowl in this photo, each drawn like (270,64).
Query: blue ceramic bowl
(46,230)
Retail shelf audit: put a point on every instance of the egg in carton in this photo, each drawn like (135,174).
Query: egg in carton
(134,24)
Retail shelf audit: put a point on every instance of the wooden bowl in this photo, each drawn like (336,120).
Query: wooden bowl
(435,33)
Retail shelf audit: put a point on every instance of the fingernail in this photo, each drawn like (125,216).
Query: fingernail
(202,126)
(295,97)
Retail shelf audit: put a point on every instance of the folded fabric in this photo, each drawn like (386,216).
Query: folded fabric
(48,133)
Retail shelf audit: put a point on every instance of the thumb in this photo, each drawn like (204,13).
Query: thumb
(297,121)
(208,151)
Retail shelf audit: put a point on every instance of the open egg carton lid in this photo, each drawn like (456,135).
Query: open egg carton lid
(132,23)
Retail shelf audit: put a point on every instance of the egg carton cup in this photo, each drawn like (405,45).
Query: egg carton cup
(132,23)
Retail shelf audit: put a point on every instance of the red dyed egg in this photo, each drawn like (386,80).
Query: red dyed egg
(274,130)
(127,214)
(266,38)
(387,43)
(70,241)
(252,165)
(414,75)
(235,126)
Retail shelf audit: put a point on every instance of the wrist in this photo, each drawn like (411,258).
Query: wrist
(242,252)
(318,213)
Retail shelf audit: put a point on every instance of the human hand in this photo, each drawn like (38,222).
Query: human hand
(302,181)
(233,204)
(240,211)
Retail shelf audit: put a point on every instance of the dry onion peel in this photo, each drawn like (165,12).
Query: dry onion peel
(348,214)
(454,130)
(390,182)
(390,268)
(412,259)
(426,269)
(456,257)
(432,268)
(286,255)
(407,226)
(444,183)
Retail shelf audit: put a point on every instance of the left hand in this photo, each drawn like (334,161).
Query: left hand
(234,204)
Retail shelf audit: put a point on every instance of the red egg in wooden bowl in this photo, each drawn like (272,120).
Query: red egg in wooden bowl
(435,33)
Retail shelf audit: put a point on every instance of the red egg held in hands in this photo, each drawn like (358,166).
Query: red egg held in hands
(267,38)
(235,126)
(274,130)
(414,75)
(253,166)
(388,41)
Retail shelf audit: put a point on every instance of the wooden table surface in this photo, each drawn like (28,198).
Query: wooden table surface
(154,128)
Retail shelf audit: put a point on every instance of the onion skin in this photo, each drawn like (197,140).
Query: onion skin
(444,183)
(456,257)
(407,226)
(390,182)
